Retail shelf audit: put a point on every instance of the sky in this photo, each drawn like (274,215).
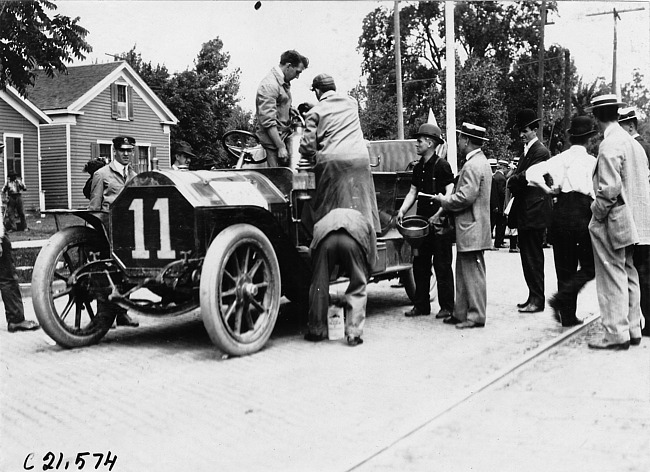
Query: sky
(172,32)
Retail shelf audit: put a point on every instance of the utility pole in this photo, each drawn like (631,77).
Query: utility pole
(616,16)
(540,75)
(398,73)
(450,92)
(567,91)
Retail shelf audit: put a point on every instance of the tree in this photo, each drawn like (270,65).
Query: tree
(203,99)
(30,39)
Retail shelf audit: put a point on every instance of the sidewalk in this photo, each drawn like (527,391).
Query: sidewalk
(163,398)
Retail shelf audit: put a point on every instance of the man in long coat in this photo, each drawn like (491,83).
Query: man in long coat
(470,202)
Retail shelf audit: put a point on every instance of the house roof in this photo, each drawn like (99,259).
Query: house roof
(24,106)
(64,89)
(69,93)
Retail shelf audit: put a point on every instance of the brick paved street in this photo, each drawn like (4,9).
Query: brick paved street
(162,398)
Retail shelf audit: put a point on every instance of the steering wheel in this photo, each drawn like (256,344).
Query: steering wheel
(244,146)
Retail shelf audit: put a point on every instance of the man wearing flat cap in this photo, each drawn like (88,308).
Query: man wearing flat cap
(570,174)
(273,107)
(107,183)
(183,156)
(621,220)
(530,212)
(628,120)
(344,208)
(470,203)
(432,175)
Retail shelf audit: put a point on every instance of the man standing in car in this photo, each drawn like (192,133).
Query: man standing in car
(273,107)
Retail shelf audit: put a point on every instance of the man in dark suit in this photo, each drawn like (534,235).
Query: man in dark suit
(629,122)
(497,200)
(531,211)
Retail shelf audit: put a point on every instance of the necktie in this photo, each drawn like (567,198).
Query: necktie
(126,173)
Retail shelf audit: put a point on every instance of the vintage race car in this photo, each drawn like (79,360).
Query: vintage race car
(227,243)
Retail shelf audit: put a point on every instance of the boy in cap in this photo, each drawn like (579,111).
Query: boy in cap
(432,175)
(107,183)
(621,219)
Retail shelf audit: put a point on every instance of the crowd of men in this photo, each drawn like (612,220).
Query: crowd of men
(593,210)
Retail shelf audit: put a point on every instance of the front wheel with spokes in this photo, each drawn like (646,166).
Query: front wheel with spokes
(240,290)
(65,307)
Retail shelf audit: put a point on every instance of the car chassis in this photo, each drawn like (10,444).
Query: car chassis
(228,243)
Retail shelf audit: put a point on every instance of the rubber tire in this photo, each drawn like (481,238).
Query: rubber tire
(407,279)
(213,278)
(43,277)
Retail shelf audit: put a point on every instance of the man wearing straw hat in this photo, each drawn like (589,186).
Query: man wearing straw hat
(621,219)
(628,120)
(530,212)
(470,201)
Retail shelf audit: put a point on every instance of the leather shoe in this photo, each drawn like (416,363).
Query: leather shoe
(125,320)
(635,341)
(521,305)
(469,324)
(604,344)
(415,312)
(25,325)
(315,337)
(568,321)
(443,314)
(513,250)
(531,308)
(451,320)
(354,340)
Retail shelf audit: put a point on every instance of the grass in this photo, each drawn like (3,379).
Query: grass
(41,227)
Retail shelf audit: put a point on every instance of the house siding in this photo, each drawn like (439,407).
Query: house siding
(96,123)
(14,123)
(54,174)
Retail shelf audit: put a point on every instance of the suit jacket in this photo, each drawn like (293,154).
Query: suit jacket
(532,206)
(470,201)
(622,189)
(108,182)
(498,192)
(645,145)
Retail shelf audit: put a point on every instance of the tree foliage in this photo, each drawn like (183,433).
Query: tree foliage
(496,74)
(30,39)
(203,99)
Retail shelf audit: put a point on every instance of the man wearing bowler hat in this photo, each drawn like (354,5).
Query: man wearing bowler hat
(628,120)
(621,219)
(530,212)
(570,177)
(470,202)
(108,182)
(432,175)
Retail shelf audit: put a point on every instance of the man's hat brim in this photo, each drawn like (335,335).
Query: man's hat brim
(521,126)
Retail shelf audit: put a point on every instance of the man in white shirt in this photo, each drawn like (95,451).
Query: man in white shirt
(570,177)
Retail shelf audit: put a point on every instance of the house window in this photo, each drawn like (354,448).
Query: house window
(122,105)
(142,164)
(121,102)
(14,155)
(105,152)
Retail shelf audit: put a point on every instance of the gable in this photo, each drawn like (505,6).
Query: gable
(23,107)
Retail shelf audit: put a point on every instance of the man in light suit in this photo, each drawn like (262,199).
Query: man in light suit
(621,219)
(629,122)
(107,183)
(470,201)
(531,212)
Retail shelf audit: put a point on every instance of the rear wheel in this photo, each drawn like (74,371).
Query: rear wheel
(240,290)
(67,310)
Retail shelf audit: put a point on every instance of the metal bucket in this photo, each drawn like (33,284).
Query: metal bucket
(414,229)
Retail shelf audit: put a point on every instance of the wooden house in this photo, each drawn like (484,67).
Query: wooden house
(83,111)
